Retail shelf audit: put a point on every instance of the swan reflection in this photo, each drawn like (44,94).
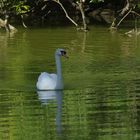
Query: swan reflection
(46,97)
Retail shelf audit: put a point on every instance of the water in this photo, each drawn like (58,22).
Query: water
(101,99)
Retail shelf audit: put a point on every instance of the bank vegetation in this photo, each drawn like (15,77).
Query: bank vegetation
(79,13)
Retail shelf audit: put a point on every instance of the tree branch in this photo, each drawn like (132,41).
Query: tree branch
(6,25)
(80,5)
(124,17)
(23,22)
(126,8)
(135,13)
(57,1)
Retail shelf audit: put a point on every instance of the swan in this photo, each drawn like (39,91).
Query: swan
(52,81)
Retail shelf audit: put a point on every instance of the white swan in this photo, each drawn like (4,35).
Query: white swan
(53,81)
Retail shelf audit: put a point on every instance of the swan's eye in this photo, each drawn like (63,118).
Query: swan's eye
(63,52)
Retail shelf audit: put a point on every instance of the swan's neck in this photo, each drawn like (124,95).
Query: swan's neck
(58,69)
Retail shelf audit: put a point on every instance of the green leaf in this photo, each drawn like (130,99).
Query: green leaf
(21,8)
(138,5)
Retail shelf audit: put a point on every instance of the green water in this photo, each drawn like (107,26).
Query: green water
(101,99)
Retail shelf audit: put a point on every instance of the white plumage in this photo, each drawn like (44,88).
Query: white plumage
(46,81)
(52,81)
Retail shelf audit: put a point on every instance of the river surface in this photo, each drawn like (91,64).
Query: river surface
(101,98)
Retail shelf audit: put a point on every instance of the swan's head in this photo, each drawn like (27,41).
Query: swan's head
(61,52)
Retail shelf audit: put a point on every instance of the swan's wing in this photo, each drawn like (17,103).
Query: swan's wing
(53,76)
(46,81)
(45,75)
